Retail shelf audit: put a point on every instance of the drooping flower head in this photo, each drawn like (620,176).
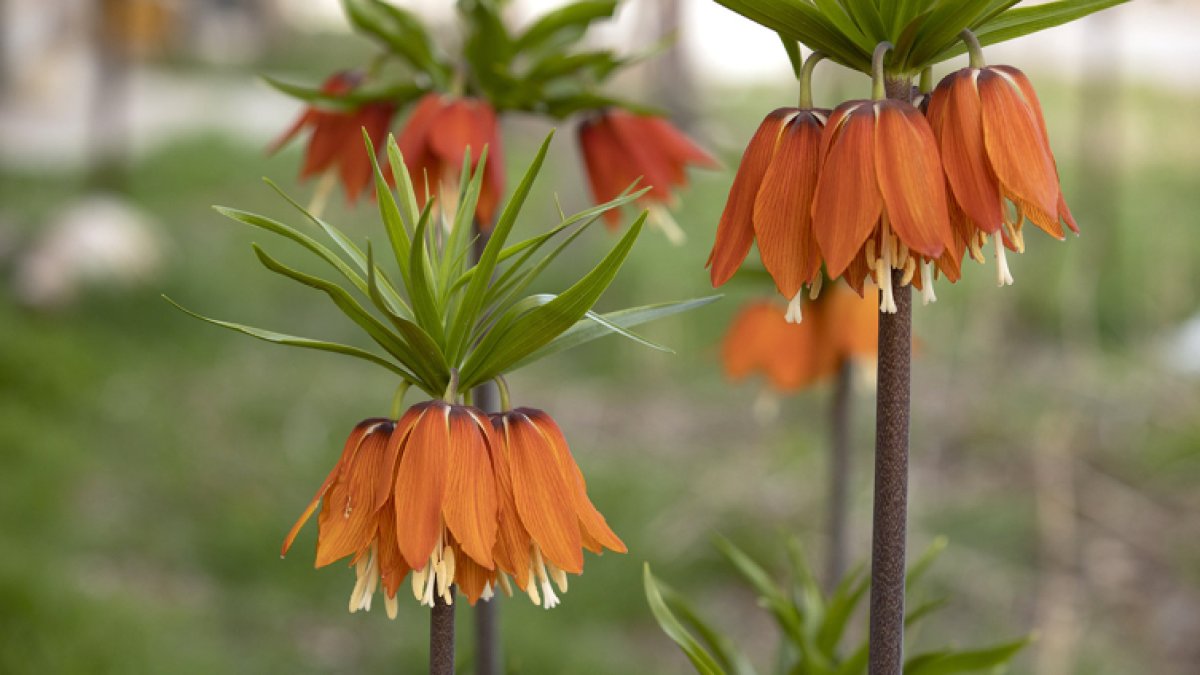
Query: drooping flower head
(546,518)
(880,202)
(839,326)
(455,498)
(434,142)
(771,201)
(414,495)
(621,148)
(996,153)
(336,141)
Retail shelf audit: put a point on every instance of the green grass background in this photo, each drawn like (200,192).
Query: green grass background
(150,464)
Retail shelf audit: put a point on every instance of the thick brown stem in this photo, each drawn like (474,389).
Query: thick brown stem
(839,475)
(487,646)
(891,485)
(441,636)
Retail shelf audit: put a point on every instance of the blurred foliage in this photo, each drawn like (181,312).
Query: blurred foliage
(812,623)
(149,470)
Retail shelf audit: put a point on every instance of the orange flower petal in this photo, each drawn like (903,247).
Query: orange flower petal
(609,167)
(392,567)
(676,145)
(469,576)
(911,179)
(752,335)
(456,128)
(853,322)
(360,432)
(640,144)
(964,155)
(494,177)
(847,203)
(1017,150)
(542,494)
(804,355)
(421,484)
(348,519)
(591,520)
(356,168)
(513,543)
(782,210)
(735,232)
(470,506)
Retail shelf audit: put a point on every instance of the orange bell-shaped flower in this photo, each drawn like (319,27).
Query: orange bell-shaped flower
(435,140)
(546,518)
(771,201)
(880,202)
(995,152)
(336,141)
(839,326)
(621,148)
(414,495)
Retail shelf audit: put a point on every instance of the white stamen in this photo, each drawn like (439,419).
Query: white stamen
(559,577)
(794,313)
(488,593)
(531,590)
(814,286)
(419,577)
(887,303)
(927,294)
(549,599)
(661,218)
(504,584)
(392,604)
(1003,275)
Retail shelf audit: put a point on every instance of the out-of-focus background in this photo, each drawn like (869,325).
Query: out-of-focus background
(150,464)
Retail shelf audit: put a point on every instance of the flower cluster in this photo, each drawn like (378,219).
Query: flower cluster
(456,109)
(878,186)
(840,327)
(452,495)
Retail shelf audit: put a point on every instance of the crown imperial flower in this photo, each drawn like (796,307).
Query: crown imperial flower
(434,142)
(771,202)
(840,326)
(996,151)
(620,148)
(336,139)
(414,495)
(880,202)
(546,518)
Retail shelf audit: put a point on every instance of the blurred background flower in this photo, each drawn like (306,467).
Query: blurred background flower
(145,463)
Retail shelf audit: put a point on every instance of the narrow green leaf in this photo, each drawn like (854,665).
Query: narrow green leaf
(390,296)
(794,56)
(919,568)
(586,330)
(948,663)
(1022,21)
(276,227)
(568,21)
(700,658)
(914,615)
(776,599)
(389,212)
(499,350)
(947,19)
(385,338)
(464,218)
(397,93)
(420,285)
(866,16)
(722,648)
(302,342)
(421,343)
(472,301)
(843,601)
